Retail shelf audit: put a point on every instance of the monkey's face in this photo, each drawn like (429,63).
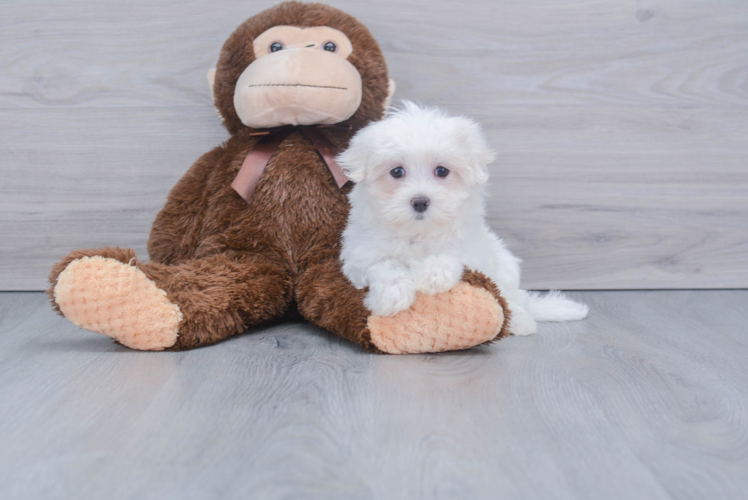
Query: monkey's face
(300,76)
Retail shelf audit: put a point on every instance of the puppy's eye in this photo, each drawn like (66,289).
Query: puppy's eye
(276,46)
(397,172)
(441,171)
(330,47)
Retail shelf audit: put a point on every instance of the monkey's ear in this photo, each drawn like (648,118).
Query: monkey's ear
(390,93)
(211,78)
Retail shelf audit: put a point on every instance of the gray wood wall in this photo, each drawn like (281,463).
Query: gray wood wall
(621,126)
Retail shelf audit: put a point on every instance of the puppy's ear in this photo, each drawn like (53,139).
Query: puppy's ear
(479,154)
(482,157)
(354,160)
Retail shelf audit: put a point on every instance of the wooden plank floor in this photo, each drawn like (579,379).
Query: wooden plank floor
(648,398)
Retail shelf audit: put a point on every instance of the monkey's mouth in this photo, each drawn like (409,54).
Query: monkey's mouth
(297,85)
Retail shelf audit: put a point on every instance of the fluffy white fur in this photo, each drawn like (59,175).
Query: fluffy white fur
(396,251)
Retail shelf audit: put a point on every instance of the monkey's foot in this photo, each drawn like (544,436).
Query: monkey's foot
(463,317)
(115,299)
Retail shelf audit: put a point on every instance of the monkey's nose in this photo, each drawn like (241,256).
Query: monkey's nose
(420,204)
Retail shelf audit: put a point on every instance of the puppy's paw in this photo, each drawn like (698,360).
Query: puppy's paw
(436,274)
(522,323)
(392,289)
(386,299)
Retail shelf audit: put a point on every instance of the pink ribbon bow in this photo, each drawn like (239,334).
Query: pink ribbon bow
(257,159)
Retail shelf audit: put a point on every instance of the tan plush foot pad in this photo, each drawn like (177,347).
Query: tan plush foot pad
(458,319)
(108,297)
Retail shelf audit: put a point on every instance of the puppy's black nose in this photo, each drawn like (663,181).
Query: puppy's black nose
(420,204)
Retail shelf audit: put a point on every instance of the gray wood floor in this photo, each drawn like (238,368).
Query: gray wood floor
(648,398)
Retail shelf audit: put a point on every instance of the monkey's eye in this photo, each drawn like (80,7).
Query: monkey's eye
(397,172)
(276,46)
(441,171)
(330,47)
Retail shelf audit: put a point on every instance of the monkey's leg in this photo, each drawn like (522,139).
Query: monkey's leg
(150,306)
(472,313)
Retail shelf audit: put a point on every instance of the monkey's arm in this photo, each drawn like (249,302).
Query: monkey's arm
(176,230)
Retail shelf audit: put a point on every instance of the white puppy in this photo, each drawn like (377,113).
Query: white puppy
(418,217)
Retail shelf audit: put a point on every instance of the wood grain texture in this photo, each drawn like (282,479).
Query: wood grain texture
(620,126)
(645,399)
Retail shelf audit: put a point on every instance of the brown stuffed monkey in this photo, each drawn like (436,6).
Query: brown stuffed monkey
(292,84)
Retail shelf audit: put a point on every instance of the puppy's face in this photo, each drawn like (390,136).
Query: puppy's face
(416,168)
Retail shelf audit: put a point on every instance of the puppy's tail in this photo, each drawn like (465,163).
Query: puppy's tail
(555,307)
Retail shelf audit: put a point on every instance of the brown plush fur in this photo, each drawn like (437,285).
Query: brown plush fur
(238,53)
(229,264)
(480,280)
